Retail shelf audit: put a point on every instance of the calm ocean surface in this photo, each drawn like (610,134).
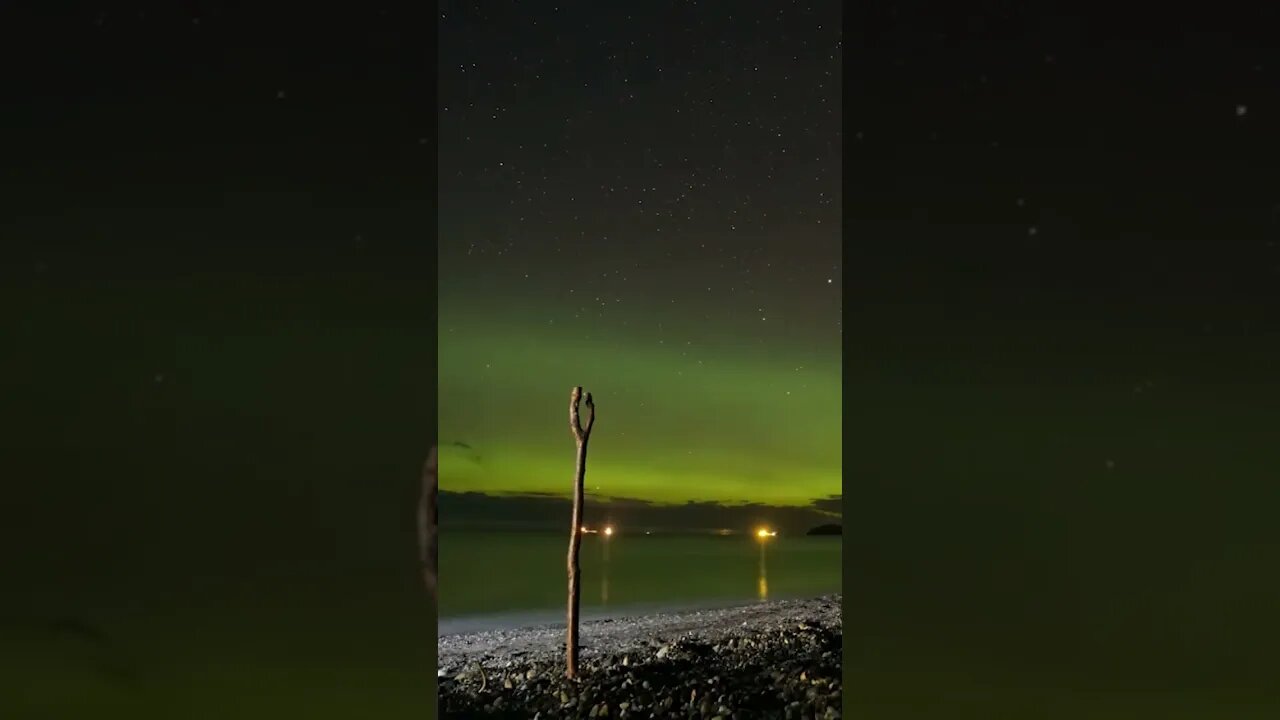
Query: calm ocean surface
(495,573)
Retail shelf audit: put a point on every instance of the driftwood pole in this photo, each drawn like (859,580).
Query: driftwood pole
(580,435)
(428,521)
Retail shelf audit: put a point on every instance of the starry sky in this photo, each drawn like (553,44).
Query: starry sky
(644,201)
(1058,277)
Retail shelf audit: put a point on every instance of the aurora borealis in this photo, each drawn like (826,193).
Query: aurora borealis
(729,426)
(653,217)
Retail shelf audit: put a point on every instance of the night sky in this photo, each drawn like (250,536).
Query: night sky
(1061,351)
(644,201)
(1031,281)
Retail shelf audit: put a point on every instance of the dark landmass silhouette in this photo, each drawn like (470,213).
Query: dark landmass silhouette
(828,529)
(534,511)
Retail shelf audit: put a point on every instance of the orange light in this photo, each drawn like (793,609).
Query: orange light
(762,533)
(608,530)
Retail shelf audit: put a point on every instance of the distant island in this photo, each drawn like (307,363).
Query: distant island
(826,530)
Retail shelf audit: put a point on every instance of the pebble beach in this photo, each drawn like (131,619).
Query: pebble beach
(780,659)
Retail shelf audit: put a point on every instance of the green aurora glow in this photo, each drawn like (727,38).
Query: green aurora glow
(708,421)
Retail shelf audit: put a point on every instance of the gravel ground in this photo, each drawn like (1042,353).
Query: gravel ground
(770,660)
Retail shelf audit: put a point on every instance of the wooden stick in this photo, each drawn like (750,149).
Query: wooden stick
(580,436)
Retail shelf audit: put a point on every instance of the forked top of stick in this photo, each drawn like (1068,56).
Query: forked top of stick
(575,422)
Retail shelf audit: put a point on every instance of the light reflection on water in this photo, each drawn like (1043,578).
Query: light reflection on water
(762,575)
(626,571)
(604,573)
(762,582)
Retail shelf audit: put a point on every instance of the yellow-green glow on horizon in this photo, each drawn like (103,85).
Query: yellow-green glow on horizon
(715,422)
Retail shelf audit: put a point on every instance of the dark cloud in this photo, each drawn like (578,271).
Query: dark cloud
(832,506)
(464,450)
(544,510)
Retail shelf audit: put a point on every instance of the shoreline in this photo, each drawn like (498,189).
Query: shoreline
(777,659)
(543,618)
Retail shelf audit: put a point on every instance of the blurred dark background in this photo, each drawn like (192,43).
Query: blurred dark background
(217,289)
(1063,442)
